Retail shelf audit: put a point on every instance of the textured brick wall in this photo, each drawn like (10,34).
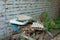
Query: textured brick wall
(10,8)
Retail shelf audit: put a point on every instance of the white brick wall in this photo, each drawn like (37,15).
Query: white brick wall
(10,8)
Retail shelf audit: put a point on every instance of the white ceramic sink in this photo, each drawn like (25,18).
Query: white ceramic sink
(14,21)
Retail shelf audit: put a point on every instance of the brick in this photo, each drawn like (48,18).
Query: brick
(27,7)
